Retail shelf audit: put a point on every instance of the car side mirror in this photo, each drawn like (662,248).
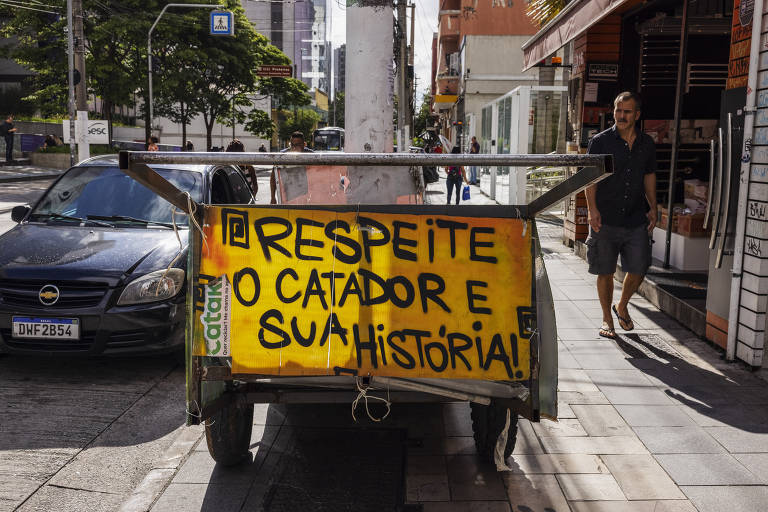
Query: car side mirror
(19,212)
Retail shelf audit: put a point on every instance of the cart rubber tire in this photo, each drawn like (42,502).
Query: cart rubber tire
(487,423)
(228,434)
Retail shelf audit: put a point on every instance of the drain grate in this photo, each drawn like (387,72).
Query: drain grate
(340,470)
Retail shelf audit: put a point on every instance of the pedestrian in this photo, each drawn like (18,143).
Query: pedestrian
(152,146)
(622,211)
(189,146)
(250,173)
(262,148)
(474,148)
(8,130)
(455,175)
(297,145)
(49,142)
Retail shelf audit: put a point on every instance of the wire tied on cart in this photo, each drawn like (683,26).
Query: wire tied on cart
(192,208)
(363,393)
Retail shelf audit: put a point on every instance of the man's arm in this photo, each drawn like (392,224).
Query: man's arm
(593,215)
(649,183)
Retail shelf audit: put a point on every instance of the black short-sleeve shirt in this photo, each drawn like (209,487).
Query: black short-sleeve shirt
(621,197)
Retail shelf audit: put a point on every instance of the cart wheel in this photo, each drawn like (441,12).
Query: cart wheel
(487,423)
(228,433)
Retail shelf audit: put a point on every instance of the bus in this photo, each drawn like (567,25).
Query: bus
(330,138)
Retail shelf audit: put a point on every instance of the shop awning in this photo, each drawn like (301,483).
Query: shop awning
(444,101)
(570,23)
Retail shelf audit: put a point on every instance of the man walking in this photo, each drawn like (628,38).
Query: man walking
(297,146)
(622,211)
(474,149)
(7,130)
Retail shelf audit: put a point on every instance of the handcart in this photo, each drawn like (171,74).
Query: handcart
(332,295)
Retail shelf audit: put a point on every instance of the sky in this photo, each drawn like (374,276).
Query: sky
(426,24)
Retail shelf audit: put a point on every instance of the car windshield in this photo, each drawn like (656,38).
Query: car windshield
(107,193)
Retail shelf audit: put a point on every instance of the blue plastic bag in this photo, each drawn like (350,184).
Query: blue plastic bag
(465,193)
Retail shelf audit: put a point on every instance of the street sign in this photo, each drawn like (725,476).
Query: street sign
(275,71)
(98,131)
(222,23)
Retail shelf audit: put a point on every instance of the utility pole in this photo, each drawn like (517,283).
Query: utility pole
(71,76)
(403,135)
(412,68)
(81,100)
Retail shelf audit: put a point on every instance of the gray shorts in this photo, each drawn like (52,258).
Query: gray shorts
(604,248)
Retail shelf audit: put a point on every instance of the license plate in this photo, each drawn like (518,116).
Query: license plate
(46,328)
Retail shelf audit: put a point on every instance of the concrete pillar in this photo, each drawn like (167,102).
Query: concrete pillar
(369,79)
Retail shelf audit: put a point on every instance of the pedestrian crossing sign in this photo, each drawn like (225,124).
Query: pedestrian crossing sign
(222,23)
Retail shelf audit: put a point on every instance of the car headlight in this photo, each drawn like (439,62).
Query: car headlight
(155,286)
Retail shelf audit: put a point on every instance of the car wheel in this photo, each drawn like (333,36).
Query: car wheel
(488,421)
(228,433)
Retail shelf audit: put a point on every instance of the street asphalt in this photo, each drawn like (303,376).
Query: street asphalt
(655,420)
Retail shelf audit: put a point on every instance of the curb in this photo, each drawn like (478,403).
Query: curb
(28,177)
(160,475)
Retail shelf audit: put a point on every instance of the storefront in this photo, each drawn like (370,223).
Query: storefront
(691,63)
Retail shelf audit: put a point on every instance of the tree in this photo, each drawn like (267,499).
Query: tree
(542,11)
(423,118)
(303,120)
(337,107)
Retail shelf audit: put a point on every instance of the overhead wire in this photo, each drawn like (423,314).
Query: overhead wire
(8,4)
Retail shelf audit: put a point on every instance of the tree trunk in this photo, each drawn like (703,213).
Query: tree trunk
(183,127)
(147,123)
(208,130)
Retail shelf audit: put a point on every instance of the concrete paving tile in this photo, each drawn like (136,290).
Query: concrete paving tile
(589,333)
(457,419)
(642,478)
(527,442)
(590,487)
(752,395)
(576,397)
(706,469)
(594,445)
(579,292)
(575,380)
(654,415)
(580,322)
(565,360)
(627,394)
(737,440)
(426,465)
(467,506)
(427,488)
(718,499)
(200,468)
(678,440)
(600,346)
(564,411)
(471,479)
(601,420)
(552,463)
(603,362)
(630,377)
(757,463)
(706,415)
(221,497)
(534,493)
(632,506)
(563,427)
(463,445)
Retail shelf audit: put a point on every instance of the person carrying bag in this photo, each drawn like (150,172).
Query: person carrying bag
(455,175)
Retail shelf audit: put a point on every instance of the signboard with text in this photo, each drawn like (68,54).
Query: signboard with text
(98,131)
(339,290)
(267,71)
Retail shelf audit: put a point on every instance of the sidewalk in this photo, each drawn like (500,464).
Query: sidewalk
(23,172)
(654,421)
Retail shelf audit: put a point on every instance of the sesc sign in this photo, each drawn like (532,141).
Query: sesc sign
(98,131)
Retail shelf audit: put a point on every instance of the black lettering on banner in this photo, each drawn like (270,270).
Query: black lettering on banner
(398,351)
(279,286)
(443,354)
(199,291)
(235,223)
(351,288)
(471,296)
(452,226)
(368,277)
(431,293)
(513,350)
(398,240)
(526,321)
(247,271)
(407,286)
(332,234)
(270,241)
(332,277)
(298,337)
(301,241)
(369,345)
(456,350)
(368,225)
(474,243)
(496,353)
(417,335)
(338,370)
(431,245)
(332,326)
(314,288)
(275,329)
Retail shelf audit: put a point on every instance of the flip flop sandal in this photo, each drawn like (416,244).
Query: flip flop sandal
(606,331)
(624,323)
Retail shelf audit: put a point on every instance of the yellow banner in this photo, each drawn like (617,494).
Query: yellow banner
(322,292)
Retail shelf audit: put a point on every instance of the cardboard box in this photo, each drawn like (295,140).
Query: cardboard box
(690,225)
(696,205)
(695,189)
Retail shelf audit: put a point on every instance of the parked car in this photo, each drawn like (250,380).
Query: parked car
(86,270)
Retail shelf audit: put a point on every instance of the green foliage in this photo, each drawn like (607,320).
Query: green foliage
(304,120)
(423,119)
(337,107)
(260,124)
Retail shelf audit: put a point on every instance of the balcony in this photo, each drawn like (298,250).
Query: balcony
(450,23)
(447,84)
(450,5)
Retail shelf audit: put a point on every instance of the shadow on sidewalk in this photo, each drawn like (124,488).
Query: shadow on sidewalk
(724,400)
